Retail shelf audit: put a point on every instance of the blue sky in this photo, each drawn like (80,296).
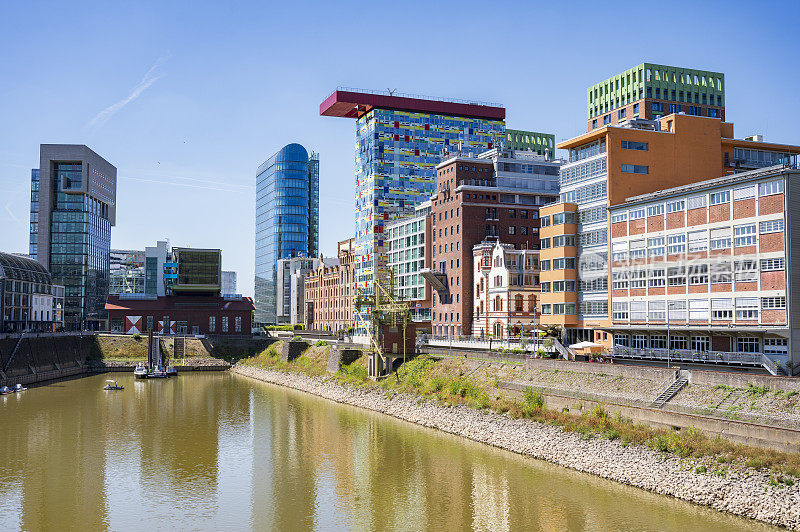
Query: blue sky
(186,99)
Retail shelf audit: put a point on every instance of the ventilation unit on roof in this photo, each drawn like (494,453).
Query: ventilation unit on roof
(755,138)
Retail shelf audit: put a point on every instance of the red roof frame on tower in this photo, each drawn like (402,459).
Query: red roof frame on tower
(356,103)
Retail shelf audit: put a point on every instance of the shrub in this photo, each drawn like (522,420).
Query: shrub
(756,391)
(321,343)
(137,336)
(700,469)
(533,401)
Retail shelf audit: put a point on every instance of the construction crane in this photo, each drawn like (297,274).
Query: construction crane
(388,315)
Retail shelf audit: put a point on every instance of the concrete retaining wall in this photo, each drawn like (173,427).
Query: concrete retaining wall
(741,380)
(769,437)
(340,355)
(288,351)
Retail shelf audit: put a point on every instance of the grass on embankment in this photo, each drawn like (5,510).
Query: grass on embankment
(428,378)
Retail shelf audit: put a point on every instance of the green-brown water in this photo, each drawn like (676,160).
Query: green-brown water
(218,451)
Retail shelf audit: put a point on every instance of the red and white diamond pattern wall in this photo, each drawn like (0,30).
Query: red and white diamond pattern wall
(133,324)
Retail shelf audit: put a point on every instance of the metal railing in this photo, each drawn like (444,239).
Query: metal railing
(415,96)
(524,344)
(685,355)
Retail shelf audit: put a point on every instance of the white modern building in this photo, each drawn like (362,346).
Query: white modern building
(290,285)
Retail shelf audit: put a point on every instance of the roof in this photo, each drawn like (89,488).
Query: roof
(739,178)
(206,303)
(354,103)
(23,269)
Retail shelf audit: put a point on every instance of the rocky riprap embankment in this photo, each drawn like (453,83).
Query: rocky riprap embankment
(742,491)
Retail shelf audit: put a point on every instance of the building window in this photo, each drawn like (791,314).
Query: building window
(638,310)
(618,218)
(701,344)
(746,308)
(637,214)
(721,309)
(718,198)
(675,206)
(698,310)
(721,238)
(657,278)
(744,193)
(635,169)
(621,114)
(745,271)
(768,265)
(619,310)
(696,202)
(224,324)
(640,341)
(775,346)
(657,311)
(771,226)
(747,344)
(212,324)
(678,343)
(676,244)
(237,323)
(606,119)
(698,241)
(658,341)
(773,303)
(721,273)
(655,210)
(512,230)
(676,310)
(769,188)
(744,235)
(634,145)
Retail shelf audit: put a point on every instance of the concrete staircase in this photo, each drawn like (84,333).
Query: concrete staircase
(729,400)
(672,387)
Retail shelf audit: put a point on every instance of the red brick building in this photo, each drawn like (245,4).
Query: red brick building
(469,207)
(198,314)
(329,291)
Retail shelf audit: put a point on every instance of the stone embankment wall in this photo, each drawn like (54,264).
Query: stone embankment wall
(741,491)
(44,357)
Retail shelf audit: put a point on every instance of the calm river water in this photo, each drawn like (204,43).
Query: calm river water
(218,451)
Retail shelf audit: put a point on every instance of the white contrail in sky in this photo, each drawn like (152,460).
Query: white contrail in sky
(12,215)
(150,77)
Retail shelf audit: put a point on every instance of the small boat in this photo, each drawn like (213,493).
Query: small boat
(171,371)
(113,385)
(157,373)
(19,388)
(140,372)
(5,390)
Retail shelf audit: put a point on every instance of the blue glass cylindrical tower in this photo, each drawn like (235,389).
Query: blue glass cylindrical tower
(284,225)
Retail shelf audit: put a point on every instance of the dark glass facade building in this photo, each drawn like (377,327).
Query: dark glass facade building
(287,219)
(73,206)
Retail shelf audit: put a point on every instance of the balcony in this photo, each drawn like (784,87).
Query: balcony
(436,278)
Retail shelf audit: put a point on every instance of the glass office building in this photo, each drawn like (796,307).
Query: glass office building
(73,206)
(287,220)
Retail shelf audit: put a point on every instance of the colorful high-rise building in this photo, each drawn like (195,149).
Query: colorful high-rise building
(287,219)
(399,141)
(651,91)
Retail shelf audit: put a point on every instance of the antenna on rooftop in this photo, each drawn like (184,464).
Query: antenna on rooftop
(391,91)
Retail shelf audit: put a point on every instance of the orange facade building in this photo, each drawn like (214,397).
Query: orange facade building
(606,167)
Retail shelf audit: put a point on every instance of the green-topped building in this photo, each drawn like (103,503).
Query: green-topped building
(651,91)
(516,139)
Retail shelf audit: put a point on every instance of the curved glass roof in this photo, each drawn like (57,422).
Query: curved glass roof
(22,269)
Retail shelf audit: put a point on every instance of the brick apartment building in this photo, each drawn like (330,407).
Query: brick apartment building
(469,207)
(705,267)
(330,291)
